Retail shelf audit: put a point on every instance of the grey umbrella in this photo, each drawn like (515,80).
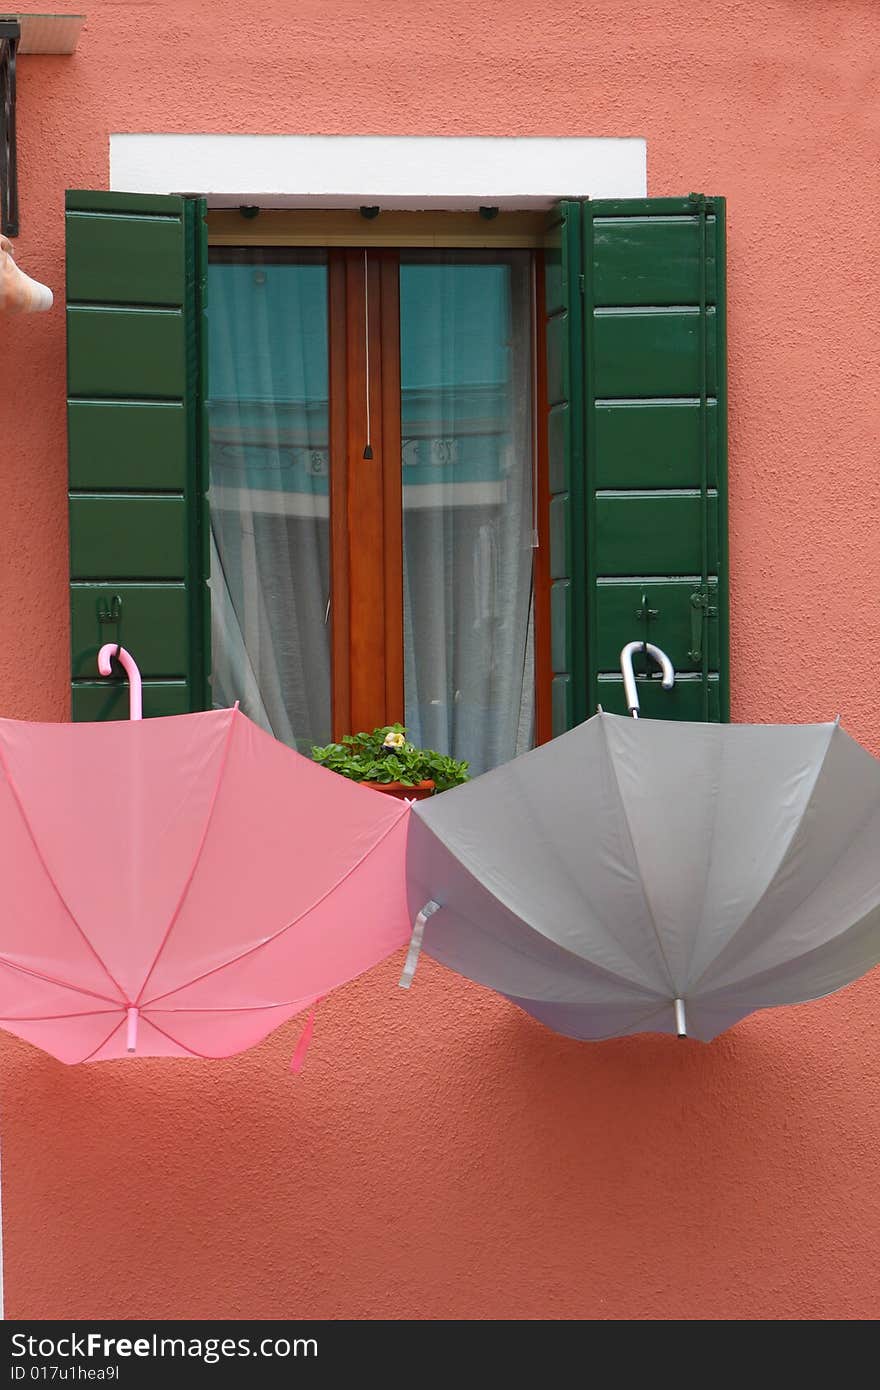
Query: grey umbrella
(642,875)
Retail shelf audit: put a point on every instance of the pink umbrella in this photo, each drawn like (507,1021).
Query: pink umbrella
(181,886)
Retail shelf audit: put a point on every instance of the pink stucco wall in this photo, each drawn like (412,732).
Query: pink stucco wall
(443,1156)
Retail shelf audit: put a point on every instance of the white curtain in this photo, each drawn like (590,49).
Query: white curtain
(269,495)
(466,374)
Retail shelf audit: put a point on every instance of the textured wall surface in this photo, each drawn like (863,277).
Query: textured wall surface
(442,1155)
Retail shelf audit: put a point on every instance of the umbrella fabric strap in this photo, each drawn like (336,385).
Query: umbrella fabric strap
(415,943)
(305,1037)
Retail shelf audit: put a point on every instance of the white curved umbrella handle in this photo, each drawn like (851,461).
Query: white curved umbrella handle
(130,666)
(629,678)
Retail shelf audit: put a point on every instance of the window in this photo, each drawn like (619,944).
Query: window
(588,353)
(403,441)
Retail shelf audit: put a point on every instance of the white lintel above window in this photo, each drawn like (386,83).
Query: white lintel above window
(394,171)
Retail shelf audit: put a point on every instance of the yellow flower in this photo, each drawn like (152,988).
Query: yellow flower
(393,740)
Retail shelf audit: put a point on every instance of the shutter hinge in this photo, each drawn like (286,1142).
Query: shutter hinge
(582,284)
(701,611)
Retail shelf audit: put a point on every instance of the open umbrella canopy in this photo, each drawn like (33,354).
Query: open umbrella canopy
(180,886)
(642,875)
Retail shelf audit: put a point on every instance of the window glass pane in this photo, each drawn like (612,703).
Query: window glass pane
(269,495)
(466,374)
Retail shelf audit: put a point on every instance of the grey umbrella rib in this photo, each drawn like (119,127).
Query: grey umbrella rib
(827,945)
(786,850)
(645,898)
(709,858)
(518,950)
(473,871)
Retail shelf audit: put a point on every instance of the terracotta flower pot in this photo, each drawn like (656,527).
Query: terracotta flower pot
(403,792)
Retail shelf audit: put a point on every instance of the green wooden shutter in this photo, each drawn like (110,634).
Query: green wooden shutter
(136,289)
(653,526)
(565,424)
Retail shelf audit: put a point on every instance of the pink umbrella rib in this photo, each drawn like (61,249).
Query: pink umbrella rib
(251,950)
(10,782)
(51,1018)
(230,1009)
(138,1002)
(204,1056)
(61,984)
(103,1043)
(298,1006)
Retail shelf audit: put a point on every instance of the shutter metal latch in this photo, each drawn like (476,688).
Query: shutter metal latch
(646,615)
(111,614)
(701,611)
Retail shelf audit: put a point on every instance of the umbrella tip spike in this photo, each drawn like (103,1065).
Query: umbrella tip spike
(680,1018)
(131,1028)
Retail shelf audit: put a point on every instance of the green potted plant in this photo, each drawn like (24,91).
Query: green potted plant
(388,762)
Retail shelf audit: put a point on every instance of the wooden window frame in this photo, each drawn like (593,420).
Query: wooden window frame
(347,227)
(366,514)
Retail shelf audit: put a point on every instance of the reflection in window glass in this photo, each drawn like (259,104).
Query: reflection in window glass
(269,494)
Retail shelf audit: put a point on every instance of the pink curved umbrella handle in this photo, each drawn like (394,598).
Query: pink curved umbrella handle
(129,665)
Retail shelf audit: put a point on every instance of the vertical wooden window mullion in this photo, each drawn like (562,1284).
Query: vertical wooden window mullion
(363,504)
(392,483)
(366,493)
